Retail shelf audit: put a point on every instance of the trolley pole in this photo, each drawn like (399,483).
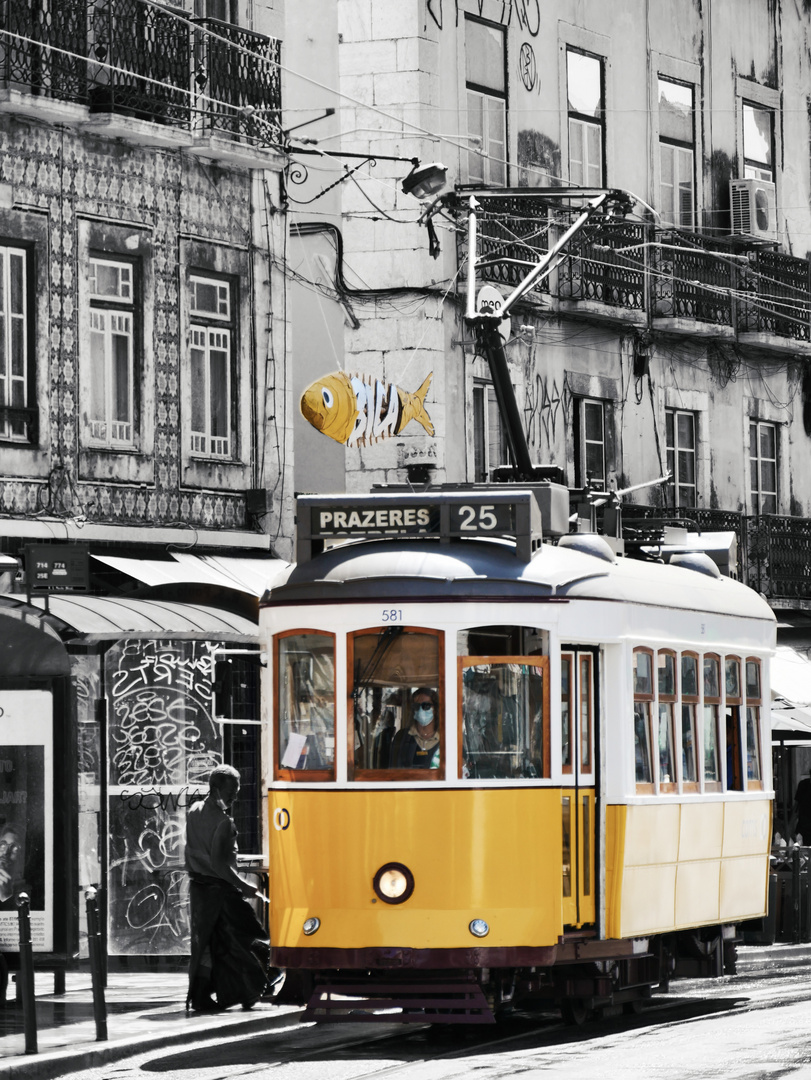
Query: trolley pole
(96,964)
(27,974)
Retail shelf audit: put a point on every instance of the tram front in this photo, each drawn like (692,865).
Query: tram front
(416,827)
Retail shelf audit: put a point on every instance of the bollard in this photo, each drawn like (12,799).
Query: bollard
(797,907)
(96,964)
(27,974)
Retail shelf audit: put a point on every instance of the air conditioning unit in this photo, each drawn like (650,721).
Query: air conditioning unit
(754,209)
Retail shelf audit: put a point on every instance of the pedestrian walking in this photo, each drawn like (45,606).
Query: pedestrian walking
(229,947)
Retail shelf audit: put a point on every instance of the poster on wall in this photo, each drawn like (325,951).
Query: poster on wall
(162,744)
(26,814)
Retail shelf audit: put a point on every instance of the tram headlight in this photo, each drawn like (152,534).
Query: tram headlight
(479,928)
(393,883)
(310,925)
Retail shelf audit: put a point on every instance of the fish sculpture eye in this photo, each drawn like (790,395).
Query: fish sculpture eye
(327,396)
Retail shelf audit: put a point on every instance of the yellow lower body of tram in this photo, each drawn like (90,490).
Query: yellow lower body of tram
(500,855)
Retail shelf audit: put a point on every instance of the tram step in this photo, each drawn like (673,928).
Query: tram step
(399,1003)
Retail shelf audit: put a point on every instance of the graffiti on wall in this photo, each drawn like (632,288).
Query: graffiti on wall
(161,729)
(163,743)
(360,409)
(149,903)
(527,12)
(543,408)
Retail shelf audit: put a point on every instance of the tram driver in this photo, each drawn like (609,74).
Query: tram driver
(418,746)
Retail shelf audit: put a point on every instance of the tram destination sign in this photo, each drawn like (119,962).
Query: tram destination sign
(442,515)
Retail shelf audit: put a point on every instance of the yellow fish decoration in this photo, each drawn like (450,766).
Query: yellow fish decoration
(356,409)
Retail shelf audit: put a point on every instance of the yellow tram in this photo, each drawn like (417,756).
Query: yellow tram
(589,801)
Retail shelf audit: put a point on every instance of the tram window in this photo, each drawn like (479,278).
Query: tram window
(395,701)
(504,709)
(689,704)
(666,668)
(712,704)
(754,779)
(305,705)
(585,692)
(732,685)
(566,712)
(643,699)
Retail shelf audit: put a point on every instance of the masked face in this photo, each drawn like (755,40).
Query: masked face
(423,713)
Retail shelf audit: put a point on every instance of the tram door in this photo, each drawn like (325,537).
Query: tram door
(578,682)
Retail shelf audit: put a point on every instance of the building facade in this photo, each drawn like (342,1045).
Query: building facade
(143,387)
(673,338)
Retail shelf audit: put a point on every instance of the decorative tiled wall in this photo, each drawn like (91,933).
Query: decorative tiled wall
(69,174)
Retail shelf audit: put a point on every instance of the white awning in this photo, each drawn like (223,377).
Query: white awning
(790,676)
(252,576)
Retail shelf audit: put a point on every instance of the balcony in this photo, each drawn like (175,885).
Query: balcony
(665,279)
(148,75)
(774,552)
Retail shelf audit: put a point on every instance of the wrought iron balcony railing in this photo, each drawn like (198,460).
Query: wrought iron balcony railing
(513,235)
(238,72)
(27,59)
(694,277)
(777,296)
(606,263)
(670,273)
(136,59)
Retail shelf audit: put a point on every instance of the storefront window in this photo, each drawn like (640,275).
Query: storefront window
(305,706)
(396,704)
(503,711)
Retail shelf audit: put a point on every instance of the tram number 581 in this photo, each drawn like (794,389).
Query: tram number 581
(477,518)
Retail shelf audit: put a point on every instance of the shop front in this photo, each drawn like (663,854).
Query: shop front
(139,737)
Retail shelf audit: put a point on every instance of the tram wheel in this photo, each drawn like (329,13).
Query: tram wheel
(575,1011)
(632,1008)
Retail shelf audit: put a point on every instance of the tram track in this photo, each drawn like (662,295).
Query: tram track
(421,1046)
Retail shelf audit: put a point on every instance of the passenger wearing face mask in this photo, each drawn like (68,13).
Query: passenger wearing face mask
(418,747)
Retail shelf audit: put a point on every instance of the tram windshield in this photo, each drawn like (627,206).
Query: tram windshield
(397,703)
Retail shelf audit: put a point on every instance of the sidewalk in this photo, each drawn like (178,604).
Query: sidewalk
(144,1012)
(147,1012)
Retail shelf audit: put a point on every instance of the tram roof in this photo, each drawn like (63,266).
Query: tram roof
(399,568)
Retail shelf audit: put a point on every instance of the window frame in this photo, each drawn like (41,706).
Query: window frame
(120,306)
(356,775)
(674,450)
(732,720)
(757,461)
(714,702)
(670,701)
(581,443)
(211,324)
(585,121)
(645,787)
(755,168)
(691,701)
(488,94)
(672,143)
(485,407)
(283,772)
(541,662)
(755,703)
(11,246)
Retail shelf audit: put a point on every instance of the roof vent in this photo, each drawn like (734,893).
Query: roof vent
(698,561)
(589,544)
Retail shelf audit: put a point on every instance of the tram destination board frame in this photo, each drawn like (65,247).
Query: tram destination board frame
(444,516)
